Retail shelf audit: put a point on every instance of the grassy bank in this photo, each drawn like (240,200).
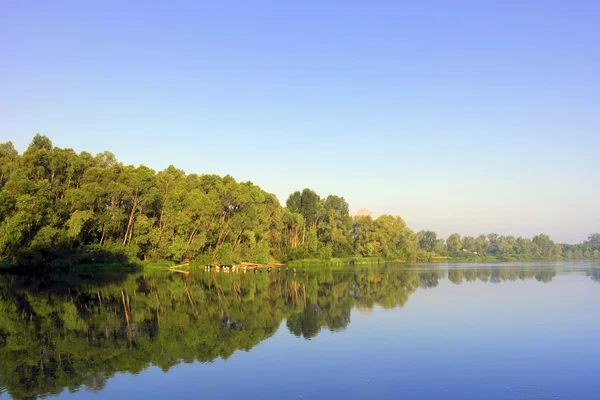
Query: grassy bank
(335,261)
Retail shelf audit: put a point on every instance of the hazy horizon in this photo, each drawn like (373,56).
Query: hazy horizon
(473,119)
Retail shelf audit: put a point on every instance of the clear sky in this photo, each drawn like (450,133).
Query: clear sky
(459,116)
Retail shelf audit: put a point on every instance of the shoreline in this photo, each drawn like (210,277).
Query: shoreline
(185,268)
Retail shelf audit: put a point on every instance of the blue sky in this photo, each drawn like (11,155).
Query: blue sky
(459,116)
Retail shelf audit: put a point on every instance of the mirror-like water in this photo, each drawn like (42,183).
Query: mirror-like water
(505,331)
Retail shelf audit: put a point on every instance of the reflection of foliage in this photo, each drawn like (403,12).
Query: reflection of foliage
(496,275)
(67,331)
(594,274)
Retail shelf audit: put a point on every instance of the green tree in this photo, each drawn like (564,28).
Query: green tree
(427,240)
(454,243)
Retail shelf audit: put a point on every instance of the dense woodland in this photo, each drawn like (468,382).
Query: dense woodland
(65,331)
(61,208)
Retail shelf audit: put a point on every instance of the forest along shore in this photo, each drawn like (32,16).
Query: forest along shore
(59,208)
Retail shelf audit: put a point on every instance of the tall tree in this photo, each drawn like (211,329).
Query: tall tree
(454,243)
(427,240)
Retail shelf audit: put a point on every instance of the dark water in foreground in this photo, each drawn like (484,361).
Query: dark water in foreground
(508,331)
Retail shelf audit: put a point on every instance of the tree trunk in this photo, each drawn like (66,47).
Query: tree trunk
(221,235)
(130,223)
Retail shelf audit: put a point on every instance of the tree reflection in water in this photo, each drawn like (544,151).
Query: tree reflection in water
(76,331)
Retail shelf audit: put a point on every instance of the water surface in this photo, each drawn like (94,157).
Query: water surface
(506,331)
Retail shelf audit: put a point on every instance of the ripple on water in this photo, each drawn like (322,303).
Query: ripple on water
(532,392)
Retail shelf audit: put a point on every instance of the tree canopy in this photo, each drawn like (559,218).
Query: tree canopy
(58,207)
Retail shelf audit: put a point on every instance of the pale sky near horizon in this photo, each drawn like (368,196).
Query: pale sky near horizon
(459,116)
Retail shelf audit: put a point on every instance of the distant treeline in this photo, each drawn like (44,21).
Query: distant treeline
(60,208)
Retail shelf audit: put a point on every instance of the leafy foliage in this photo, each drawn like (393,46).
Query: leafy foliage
(59,208)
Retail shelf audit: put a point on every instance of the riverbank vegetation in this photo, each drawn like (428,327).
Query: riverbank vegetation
(62,208)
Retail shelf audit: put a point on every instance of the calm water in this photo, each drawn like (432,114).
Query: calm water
(508,331)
